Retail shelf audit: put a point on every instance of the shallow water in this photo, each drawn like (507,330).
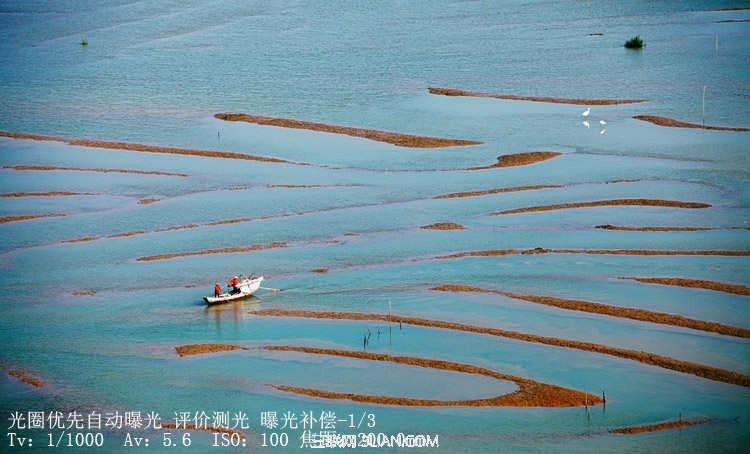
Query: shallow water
(100,326)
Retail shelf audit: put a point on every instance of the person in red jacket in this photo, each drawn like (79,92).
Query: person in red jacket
(217,290)
(235,282)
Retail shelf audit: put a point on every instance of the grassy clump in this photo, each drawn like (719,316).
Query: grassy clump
(84,42)
(634,43)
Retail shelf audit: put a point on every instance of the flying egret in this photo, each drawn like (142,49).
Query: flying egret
(586,114)
(586,124)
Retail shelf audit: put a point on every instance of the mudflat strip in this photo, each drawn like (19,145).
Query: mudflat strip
(653,229)
(45,194)
(579,101)
(695,283)
(443,226)
(394,138)
(228,250)
(27,378)
(530,393)
(200,349)
(97,169)
(539,250)
(145,148)
(519,159)
(656,427)
(495,191)
(5,219)
(642,315)
(665,362)
(672,123)
(615,202)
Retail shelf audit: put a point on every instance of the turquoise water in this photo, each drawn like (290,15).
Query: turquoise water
(156,72)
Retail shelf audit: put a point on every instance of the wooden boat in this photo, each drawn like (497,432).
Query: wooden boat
(243,288)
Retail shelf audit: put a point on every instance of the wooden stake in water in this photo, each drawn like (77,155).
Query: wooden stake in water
(390,330)
(704,105)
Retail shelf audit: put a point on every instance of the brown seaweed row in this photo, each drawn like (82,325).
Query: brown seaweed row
(443,226)
(672,123)
(228,250)
(655,427)
(539,250)
(695,283)
(146,148)
(394,138)
(27,378)
(615,202)
(97,169)
(519,159)
(45,194)
(5,219)
(579,101)
(613,311)
(665,362)
(495,191)
(199,349)
(530,393)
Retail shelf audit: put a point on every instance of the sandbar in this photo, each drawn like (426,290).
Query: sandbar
(655,427)
(580,101)
(615,202)
(519,159)
(530,393)
(394,138)
(200,349)
(653,229)
(672,123)
(539,250)
(228,250)
(665,362)
(96,169)
(695,283)
(613,311)
(443,226)
(495,191)
(27,378)
(5,219)
(46,194)
(146,148)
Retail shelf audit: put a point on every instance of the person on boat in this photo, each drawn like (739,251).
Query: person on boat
(217,290)
(235,282)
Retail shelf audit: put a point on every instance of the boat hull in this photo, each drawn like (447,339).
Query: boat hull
(246,289)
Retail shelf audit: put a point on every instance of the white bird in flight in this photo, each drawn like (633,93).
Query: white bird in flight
(586,114)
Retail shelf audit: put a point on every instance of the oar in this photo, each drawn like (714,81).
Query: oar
(271,289)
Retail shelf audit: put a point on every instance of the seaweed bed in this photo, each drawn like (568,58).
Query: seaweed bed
(27,378)
(700,370)
(655,427)
(614,311)
(394,138)
(615,202)
(672,123)
(530,393)
(144,148)
(580,101)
